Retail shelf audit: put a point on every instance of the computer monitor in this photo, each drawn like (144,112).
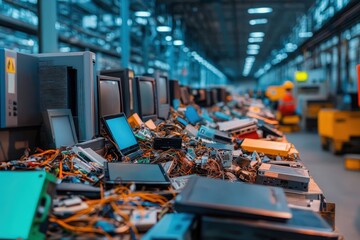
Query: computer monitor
(174,91)
(60,128)
(162,84)
(128,86)
(184,94)
(214,96)
(147,97)
(109,96)
(121,133)
(221,94)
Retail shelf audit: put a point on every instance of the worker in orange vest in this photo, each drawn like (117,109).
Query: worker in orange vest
(287,105)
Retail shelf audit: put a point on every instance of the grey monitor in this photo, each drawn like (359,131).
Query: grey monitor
(60,128)
(162,84)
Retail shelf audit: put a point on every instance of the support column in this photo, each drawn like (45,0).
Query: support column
(47,33)
(125,34)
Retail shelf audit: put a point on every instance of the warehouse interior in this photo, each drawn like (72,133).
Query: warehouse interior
(180,119)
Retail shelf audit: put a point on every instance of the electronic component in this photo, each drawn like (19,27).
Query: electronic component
(217,145)
(266,147)
(238,126)
(173,226)
(25,204)
(178,183)
(97,144)
(168,166)
(135,121)
(226,158)
(150,124)
(222,116)
(90,155)
(151,175)
(167,143)
(144,219)
(81,189)
(182,121)
(212,134)
(304,224)
(286,177)
(191,131)
(205,196)
(120,131)
(192,115)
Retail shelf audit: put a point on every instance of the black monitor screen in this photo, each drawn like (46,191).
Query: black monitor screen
(109,98)
(147,93)
(162,90)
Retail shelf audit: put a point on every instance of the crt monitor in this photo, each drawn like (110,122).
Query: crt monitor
(174,91)
(147,97)
(184,94)
(109,95)
(162,84)
(128,87)
(60,128)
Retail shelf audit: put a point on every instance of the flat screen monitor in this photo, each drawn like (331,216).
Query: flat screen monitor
(214,96)
(120,131)
(162,84)
(109,96)
(143,174)
(147,97)
(174,91)
(128,87)
(59,124)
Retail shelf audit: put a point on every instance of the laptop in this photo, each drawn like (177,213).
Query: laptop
(150,175)
(237,125)
(214,197)
(121,133)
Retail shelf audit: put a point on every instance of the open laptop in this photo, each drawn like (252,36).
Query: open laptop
(214,197)
(121,133)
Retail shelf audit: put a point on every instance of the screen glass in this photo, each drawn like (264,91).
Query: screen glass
(147,98)
(162,90)
(136,172)
(109,98)
(121,132)
(63,133)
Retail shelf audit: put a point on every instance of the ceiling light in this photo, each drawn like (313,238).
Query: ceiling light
(305,34)
(258,21)
(255,40)
(252,51)
(254,46)
(260,10)
(141,21)
(168,38)
(250,59)
(185,49)
(178,42)
(257,34)
(142,14)
(163,28)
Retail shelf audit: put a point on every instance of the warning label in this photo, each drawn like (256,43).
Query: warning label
(10,65)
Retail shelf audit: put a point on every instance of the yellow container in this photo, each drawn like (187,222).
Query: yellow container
(266,147)
(352,162)
(337,127)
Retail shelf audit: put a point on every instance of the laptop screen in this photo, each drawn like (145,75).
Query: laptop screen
(121,133)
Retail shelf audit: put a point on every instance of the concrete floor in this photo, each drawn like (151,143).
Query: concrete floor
(339,185)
